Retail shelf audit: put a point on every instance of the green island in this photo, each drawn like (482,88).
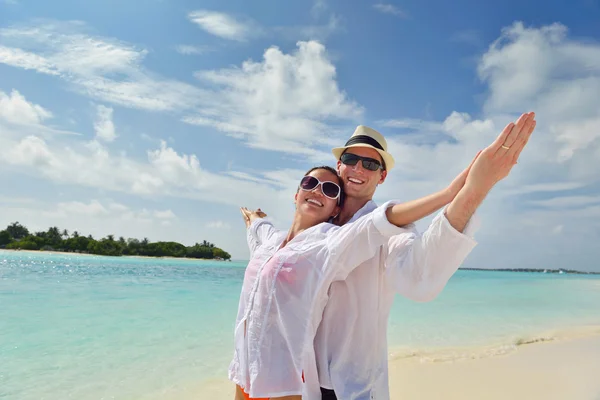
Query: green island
(18,237)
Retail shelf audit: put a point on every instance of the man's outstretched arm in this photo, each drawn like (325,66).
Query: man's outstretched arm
(493,164)
(420,265)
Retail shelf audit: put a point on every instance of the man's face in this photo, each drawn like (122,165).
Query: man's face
(358,181)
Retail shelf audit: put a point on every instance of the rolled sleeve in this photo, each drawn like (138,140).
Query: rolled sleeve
(383,225)
(471,228)
(420,265)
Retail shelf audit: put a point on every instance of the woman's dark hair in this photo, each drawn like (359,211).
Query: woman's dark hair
(340,181)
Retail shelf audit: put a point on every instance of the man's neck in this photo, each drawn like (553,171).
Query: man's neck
(351,207)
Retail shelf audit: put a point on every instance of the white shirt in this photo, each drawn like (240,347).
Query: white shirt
(350,345)
(284,293)
(351,341)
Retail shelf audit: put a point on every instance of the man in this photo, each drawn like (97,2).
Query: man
(350,345)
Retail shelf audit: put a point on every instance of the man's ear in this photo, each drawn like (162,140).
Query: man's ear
(295,197)
(339,163)
(383,176)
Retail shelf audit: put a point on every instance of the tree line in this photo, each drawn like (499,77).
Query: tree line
(16,236)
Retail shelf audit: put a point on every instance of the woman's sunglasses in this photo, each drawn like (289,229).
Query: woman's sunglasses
(330,189)
(368,163)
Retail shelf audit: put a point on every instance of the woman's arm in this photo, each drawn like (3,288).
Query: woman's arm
(252,236)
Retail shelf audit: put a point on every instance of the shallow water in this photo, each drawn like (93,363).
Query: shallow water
(90,327)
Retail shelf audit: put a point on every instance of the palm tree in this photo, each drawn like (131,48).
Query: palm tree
(54,235)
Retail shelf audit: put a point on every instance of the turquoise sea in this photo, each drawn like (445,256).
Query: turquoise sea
(88,327)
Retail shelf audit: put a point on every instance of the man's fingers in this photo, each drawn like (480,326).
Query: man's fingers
(497,145)
(522,139)
(520,129)
(475,158)
(518,151)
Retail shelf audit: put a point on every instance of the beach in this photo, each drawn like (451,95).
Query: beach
(562,369)
(89,327)
(554,370)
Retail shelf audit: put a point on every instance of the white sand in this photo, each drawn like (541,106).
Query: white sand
(566,369)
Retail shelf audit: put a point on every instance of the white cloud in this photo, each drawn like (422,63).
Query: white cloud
(293,100)
(526,69)
(98,218)
(469,36)
(411,123)
(218,225)
(187,49)
(318,8)
(282,103)
(317,31)
(19,118)
(26,60)
(164,173)
(567,201)
(390,9)
(15,109)
(111,210)
(166,214)
(93,208)
(103,125)
(224,25)
(31,151)
(231,28)
(102,68)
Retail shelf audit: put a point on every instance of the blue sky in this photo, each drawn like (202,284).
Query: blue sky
(160,120)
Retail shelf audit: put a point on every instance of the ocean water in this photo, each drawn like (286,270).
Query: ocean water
(90,327)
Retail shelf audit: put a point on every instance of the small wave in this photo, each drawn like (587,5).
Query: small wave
(453,354)
(524,341)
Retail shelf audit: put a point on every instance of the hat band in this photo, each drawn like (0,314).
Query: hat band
(364,140)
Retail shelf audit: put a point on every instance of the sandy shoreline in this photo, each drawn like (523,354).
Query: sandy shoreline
(66,253)
(560,369)
(556,369)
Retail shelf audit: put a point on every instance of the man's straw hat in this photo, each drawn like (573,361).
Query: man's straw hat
(364,136)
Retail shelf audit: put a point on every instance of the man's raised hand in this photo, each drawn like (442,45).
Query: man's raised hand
(496,161)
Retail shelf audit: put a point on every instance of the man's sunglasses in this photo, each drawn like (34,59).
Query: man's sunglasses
(330,189)
(368,163)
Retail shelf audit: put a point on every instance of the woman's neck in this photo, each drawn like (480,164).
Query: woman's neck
(351,207)
(299,225)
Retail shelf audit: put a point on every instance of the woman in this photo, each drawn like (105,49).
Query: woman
(285,284)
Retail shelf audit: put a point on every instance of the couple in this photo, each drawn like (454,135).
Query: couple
(315,302)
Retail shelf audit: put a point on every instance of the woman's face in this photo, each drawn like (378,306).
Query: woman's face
(314,203)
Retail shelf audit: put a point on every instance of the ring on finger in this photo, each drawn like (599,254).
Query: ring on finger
(505,147)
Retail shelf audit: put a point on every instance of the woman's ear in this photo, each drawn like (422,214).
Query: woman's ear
(336,211)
